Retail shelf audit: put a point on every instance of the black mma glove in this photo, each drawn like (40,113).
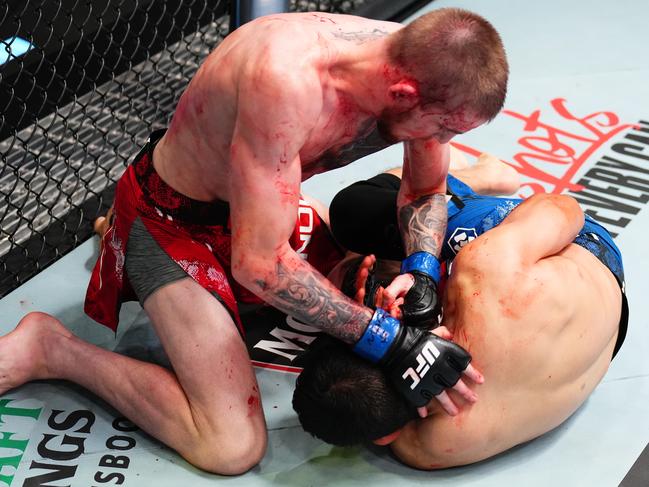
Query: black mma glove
(422,305)
(419,364)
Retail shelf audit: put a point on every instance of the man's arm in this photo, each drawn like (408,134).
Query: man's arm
(421,201)
(542,225)
(422,214)
(273,122)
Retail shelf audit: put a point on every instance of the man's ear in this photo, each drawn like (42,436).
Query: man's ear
(404,94)
(387,439)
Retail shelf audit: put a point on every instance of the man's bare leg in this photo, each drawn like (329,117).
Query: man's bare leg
(488,176)
(458,159)
(208,409)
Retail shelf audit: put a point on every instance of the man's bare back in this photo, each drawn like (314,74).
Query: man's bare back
(555,323)
(196,154)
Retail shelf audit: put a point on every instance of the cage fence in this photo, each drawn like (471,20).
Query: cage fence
(82,84)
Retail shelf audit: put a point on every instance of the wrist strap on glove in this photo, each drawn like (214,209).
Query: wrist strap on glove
(423,262)
(378,336)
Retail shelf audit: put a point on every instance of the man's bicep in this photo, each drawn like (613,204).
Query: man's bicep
(264,198)
(273,120)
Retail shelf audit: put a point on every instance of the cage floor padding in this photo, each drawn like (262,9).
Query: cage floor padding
(578,99)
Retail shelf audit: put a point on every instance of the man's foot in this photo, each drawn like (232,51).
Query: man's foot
(499,178)
(458,159)
(102,223)
(23,351)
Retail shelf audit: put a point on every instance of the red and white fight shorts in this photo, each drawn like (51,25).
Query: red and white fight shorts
(194,234)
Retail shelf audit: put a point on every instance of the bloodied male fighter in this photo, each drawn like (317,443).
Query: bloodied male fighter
(535,294)
(206,215)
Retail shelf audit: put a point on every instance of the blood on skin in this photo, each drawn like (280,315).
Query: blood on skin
(349,112)
(287,191)
(323,19)
(431,144)
(391,71)
(460,120)
(179,118)
(253,404)
(422,192)
(506,308)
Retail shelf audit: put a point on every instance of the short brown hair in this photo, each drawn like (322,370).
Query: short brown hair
(452,51)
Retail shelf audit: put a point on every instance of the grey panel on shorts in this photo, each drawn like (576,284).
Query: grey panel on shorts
(147,265)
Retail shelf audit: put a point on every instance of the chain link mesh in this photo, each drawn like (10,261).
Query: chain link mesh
(82,84)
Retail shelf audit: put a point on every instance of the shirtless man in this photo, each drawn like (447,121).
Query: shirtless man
(215,198)
(542,313)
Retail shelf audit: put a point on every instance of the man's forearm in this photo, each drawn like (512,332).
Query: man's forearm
(423,224)
(302,292)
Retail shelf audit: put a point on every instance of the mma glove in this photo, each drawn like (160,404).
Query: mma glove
(419,363)
(422,305)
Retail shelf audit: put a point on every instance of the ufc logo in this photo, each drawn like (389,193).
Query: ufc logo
(425,359)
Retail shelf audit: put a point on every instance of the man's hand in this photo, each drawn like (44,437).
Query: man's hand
(460,387)
(421,365)
(384,298)
(422,307)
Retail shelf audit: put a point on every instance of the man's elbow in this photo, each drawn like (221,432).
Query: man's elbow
(252,271)
(566,206)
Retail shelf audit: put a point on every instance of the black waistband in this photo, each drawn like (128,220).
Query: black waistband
(170,202)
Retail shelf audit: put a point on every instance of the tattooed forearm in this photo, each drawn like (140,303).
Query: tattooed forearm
(360,36)
(423,224)
(305,294)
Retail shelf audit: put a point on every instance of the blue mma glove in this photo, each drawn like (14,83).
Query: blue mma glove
(422,305)
(419,364)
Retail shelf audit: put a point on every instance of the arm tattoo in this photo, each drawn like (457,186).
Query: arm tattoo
(360,36)
(423,224)
(307,296)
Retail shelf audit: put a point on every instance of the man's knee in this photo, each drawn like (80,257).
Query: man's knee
(229,453)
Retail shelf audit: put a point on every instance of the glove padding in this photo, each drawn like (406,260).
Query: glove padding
(421,365)
(422,307)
